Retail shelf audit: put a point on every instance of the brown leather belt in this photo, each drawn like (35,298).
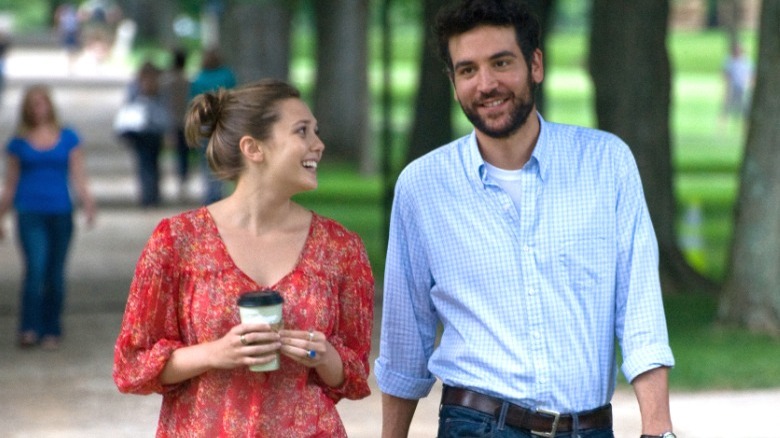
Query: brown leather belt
(540,422)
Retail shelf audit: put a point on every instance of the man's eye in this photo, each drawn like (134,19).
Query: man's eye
(503,63)
(465,71)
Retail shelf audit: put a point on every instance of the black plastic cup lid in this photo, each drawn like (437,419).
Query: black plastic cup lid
(260,298)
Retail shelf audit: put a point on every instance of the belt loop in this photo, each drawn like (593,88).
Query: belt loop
(575,425)
(502,415)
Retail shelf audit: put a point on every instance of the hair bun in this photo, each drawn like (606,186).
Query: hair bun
(209,109)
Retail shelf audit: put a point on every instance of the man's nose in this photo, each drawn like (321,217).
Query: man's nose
(486,80)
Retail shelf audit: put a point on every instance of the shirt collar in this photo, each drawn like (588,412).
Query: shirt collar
(541,155)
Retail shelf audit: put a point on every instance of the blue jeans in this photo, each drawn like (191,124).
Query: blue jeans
(44,239)
(147,147)
(457,422)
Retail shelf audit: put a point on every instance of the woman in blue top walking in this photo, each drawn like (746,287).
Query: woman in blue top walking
(43,160)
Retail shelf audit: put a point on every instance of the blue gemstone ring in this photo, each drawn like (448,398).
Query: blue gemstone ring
(312,354)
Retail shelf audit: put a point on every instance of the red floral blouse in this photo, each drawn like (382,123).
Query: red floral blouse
(184,292)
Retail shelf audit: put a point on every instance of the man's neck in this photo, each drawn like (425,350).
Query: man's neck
(510,153)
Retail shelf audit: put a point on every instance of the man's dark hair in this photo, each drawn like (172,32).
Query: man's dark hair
(466,15)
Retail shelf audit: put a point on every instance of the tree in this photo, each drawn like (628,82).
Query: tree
(341,98)
(630,68)
(751,294)
(257,34)
(432,123)
(545,10)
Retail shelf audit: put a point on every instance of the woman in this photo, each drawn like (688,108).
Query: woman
(181,334)
(42,157)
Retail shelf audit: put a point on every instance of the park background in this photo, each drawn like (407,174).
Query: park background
(706,154)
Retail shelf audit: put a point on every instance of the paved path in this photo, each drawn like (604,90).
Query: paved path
(69,393)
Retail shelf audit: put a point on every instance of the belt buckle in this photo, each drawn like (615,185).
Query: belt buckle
(554,429)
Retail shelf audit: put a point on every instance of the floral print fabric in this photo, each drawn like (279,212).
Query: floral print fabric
(184,292)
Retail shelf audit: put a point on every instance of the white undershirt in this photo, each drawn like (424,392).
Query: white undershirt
(509,180)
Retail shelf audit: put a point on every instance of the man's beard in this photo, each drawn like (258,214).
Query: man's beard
(517,118)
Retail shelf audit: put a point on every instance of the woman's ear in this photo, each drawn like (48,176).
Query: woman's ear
(251,149)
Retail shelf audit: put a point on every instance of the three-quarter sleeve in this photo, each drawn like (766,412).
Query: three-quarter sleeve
(150,331)
(352,335)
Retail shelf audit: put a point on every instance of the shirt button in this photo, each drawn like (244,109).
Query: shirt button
(527,248)
(531,291)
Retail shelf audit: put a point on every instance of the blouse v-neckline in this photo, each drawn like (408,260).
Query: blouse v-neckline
(223,247)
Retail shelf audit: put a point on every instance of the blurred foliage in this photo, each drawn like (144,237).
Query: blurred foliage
(27,16)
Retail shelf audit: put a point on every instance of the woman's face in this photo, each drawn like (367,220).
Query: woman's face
(39,108)
(294,149)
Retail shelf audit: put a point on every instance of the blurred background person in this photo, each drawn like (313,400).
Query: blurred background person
(175,90)
(5,46)
(738,81)
(68,26)
(213,74)
(44,162)
(146,137)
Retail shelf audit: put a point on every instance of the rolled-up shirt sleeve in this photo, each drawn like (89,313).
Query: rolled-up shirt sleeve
(640,320)
(409,319)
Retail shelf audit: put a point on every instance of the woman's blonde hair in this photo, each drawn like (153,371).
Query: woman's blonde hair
(27,119)
(220,118)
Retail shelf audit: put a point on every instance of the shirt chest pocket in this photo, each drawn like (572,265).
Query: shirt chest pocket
(585,263)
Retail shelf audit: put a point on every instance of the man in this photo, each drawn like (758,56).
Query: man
(531,244)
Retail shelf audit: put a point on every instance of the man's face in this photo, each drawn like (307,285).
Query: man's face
(493,83)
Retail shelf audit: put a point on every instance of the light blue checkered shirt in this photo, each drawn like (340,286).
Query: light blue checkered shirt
(531,299)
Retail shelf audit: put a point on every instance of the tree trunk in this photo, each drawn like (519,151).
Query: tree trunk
(751,294)
(630,68)
(255,39)
(341,98)
(545,10)
(432,125)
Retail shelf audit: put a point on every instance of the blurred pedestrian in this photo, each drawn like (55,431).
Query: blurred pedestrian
(146,137)
(44,162)
(181,335)
(68,23)
(175,90)
(213,75)
(5,46)
(738,81)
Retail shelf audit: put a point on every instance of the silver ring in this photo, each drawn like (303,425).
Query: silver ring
(243,340)
(312,354)
(311,335)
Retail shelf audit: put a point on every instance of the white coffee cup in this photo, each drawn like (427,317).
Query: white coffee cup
(262,306)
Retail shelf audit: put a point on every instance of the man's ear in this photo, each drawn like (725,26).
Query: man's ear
(251,149)
(537,66)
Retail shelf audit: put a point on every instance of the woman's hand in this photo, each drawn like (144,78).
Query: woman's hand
(245,345)
(311,349)
(308,348)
